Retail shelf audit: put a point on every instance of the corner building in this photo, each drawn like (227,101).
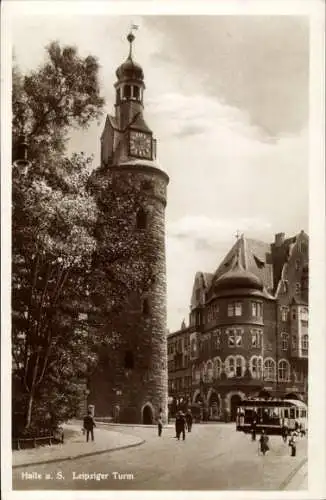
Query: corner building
(248,330)
(132,385)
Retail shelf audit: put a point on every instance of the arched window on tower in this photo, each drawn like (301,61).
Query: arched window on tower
(146,308)
(127,91)
(136,92)
(142,219)
(129,360)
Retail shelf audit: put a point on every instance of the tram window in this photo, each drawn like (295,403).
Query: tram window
(286,413)
(303,413)
(292,412)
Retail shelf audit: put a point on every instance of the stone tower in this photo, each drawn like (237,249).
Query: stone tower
(132,387)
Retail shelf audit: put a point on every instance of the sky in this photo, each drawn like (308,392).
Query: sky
(227,98)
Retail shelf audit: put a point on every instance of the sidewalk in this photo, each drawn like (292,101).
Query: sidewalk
(299,481)
(75,446)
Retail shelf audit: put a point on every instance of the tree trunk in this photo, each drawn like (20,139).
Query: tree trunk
(29,410)
(31,395)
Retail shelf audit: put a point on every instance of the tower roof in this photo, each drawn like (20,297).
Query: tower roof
(129,69)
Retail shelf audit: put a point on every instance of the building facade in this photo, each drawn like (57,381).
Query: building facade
(248,329)
(131,385)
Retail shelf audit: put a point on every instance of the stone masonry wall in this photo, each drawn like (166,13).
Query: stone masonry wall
(144,335)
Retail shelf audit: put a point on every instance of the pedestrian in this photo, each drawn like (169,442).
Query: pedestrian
(285,432)
(160,422)
(89,425)
(263,442)
(293,444)
(180,424)
(189,420)
(253,429)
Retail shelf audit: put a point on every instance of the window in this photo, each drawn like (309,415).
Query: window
(82,316)
(256,367)
(127,91)
(238,368)
(235,309)
(284,341)
(297,265)
(129,360)
(304,323)
(231,336)
(256,309)
(304,342)
(294,341)
(217,368)
(297,287)
(294,314)
(136,92)
(283,370)
(284,313)
(210,371)
(234,337)
(145,307)
(269,369)
(256,338)
(216,339)
(141,219)
(238,308)
(230,366)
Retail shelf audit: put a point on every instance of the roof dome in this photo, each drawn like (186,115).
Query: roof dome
(130,70)
(238,277)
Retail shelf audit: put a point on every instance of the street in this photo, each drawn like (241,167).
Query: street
(213,457)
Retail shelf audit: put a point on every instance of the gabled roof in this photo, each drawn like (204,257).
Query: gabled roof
(138,123)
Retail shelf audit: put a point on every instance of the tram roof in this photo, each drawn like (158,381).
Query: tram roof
(272,402)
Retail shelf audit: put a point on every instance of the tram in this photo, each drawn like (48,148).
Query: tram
(271,415)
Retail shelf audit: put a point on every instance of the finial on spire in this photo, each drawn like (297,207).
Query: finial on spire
(237,234)
(131,37)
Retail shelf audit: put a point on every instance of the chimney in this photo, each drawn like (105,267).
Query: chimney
(279,239)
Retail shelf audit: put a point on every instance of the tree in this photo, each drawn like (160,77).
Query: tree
(53,214)
(67,246)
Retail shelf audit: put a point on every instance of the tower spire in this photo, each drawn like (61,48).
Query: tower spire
(131,38)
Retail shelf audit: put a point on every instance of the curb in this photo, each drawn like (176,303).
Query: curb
(288,479)
(82,455)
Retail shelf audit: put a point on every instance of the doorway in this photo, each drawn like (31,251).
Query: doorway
(147,415)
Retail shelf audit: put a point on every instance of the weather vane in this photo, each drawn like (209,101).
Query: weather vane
(131,36)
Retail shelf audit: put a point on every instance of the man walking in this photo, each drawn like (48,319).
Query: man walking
(189,420)
(160,422)
(89,425)
(180,424)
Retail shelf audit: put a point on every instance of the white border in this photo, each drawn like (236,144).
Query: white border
(317,324)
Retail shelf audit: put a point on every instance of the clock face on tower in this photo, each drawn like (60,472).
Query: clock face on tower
(140,144)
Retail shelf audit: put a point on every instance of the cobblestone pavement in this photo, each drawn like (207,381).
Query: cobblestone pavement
(212,457)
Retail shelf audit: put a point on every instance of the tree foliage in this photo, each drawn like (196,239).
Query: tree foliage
(53,218)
